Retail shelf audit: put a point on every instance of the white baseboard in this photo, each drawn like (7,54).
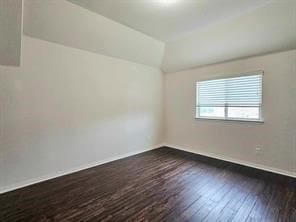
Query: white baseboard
(232,160)
(69,171)
(188,149)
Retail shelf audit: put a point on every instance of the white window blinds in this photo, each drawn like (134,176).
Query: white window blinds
(237,91)
(230,98)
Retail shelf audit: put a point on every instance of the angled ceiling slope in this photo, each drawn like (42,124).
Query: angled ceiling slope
(202,32)
(68,24)
(268,29)
(167,20)
(197,32)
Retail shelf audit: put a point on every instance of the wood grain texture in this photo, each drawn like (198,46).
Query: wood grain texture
(159,185)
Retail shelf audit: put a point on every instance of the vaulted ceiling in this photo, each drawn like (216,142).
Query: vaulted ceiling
(202,32)
(167,20)
(172,35)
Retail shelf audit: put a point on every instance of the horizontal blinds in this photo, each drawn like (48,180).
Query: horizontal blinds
(235,91)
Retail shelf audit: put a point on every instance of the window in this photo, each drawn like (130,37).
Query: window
(235,98)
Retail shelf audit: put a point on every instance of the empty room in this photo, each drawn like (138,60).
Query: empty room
(147,110)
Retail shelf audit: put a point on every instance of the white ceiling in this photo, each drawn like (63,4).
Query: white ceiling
(62,22)
(167,22)
(268,29)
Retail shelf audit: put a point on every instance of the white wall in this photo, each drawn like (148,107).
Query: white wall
(65,23)
(66,108)
(10,32)
(236,141)
(271,28)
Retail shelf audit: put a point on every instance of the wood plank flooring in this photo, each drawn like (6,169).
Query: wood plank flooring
(160,185)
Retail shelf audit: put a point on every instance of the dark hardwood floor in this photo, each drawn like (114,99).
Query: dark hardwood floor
(159,185)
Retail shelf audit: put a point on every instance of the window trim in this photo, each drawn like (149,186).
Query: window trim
(226,118)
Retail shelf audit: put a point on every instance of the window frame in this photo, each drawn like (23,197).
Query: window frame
(226,118)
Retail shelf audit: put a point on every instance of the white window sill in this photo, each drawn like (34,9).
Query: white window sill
(236,120)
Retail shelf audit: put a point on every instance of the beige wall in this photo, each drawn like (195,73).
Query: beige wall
(65,109)
(236,141)
(10,32)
